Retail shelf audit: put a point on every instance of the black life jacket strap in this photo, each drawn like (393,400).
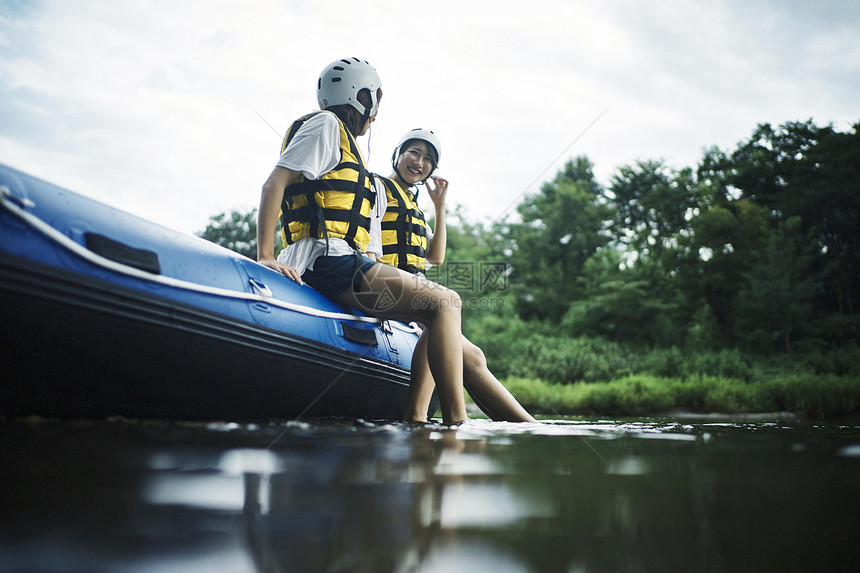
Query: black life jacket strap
(404,228)
(363,190)
(312,212)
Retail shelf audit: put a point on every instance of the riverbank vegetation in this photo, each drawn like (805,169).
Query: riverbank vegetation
(730,286)
(808,396)
(553,375)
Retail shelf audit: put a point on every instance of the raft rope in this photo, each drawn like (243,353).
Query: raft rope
(18,205)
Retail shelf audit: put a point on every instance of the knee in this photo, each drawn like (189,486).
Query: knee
(448,301)
(473,357)
(454,301)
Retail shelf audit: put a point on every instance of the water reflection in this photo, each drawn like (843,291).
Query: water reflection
(393,504)
(585,496)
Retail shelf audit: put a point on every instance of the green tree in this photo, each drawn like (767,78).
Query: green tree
(770,247)
(718,254)
(624,303)
(827,183)
(653,205)
(561,228)
(236,231)
(802,171)
(775,301)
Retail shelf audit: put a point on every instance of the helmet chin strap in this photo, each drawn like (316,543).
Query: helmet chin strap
(415,185)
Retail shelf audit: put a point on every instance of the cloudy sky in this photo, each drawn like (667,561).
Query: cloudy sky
(175,109)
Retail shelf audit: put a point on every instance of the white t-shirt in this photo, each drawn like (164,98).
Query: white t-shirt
(314,151)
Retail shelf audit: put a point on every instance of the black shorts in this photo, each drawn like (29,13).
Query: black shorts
(333,276)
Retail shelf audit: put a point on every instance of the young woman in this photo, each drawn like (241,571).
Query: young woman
(400,237)
(323,192)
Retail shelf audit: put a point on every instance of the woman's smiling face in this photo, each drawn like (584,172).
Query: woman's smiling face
(415,162)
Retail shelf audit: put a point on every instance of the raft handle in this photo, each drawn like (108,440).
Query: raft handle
(261,288)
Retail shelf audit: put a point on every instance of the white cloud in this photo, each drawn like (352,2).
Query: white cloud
(152,105)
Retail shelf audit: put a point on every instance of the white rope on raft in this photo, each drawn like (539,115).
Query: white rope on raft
(10,203)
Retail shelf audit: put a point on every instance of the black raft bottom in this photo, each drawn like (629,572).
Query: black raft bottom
(74,346)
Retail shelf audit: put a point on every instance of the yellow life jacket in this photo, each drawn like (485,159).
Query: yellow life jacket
(404,230)
(338,204)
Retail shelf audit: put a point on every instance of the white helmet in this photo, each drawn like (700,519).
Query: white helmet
(341,80)
(424,135)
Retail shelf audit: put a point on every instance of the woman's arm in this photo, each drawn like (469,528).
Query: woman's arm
(436,248)
(267,220)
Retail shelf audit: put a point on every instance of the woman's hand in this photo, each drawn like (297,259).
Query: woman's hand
(438,191)
(286,270)
(436,246)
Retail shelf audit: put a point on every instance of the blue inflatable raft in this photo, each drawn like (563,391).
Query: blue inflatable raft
(103,313)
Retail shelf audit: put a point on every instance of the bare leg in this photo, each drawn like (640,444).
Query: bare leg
(421,385)
(489,394)
(388,292)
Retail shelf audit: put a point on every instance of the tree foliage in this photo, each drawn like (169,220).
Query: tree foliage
(237,231)
(755,249)
(562,227)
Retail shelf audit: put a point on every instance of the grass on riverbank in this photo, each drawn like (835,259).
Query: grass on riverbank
(808,395)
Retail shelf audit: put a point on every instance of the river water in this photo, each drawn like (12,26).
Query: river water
(649,495)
